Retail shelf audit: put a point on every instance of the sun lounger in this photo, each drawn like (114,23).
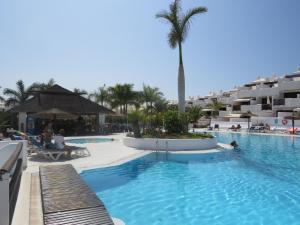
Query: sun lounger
(53,154)
(80,151)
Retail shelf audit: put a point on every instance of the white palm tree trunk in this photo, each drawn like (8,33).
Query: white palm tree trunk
(181,83)
(181,89)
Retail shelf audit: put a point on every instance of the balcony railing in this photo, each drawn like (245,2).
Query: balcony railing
(279,101)
(236,108)
(266,107)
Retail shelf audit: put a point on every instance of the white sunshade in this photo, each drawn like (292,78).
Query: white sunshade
(296,110)
(242,100)
(207,110)
(236,115)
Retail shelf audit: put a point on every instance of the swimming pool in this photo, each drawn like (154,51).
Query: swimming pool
(260,184)
(87,140)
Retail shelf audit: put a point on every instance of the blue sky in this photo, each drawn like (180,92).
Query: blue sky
(86,43)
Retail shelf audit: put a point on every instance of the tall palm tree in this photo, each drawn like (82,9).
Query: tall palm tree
(180,24)
(20,95)
(150,95)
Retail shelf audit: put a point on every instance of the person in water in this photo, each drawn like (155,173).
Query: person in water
(234,144)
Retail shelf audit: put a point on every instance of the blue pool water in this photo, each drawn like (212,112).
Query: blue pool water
(260,184)
(87,140)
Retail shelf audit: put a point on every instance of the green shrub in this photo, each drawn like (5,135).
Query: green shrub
(173,122)
(135,118)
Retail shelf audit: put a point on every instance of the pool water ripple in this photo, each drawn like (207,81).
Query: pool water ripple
(258,185)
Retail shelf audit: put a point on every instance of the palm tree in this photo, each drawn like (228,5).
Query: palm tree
(160,105)
(215,106)
(195,113)
(20,95)
(80,91)
(37,86)
(180,24)
(150,95)
(101,95)
(122,95)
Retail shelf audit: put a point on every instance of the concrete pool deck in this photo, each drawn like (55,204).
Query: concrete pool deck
(103,154)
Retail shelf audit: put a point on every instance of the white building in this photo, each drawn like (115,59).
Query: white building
(265,97)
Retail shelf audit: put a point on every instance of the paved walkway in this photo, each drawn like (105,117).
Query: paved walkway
(28,209)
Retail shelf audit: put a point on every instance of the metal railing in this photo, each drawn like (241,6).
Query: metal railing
(279,101)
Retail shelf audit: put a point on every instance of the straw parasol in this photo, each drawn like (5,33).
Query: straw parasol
(293,117)
(54,113)
(242,115)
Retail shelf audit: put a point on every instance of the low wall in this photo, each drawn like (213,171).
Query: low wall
(4,144)
(170,144)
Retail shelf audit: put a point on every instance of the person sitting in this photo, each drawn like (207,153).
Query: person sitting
(46,139)
(238,127)
(233,128)
(59,142)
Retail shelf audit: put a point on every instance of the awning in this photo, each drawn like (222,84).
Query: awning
(233,115)
(207,110)
(242,100)
(240,115)
(296,110)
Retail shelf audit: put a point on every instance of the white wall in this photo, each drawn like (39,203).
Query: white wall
(22,121)
(170,144)
(6,144)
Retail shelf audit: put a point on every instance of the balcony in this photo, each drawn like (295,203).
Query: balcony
(286,103)
(279,102)
(265,107)
(259,92)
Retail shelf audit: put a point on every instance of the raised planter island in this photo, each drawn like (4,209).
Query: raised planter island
(164,144)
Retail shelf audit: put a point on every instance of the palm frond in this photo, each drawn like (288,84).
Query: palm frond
(187,19)
(10,92)
(20,87)
(173,38)
(51,82)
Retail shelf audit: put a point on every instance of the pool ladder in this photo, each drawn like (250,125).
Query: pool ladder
(158,150)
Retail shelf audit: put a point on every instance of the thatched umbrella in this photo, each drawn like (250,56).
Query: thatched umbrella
(242,115)
(248,115)
(293,117)
(54,113)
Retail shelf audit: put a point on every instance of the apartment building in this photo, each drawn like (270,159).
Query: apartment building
(275,97)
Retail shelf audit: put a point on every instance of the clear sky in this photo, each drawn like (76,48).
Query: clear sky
(86,43)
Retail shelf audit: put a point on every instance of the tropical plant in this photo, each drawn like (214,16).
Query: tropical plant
(180,24)
(122,95)
(173,123)
(150,95)
(20,95)
(160,105)
(80,91)
(101,95)
(135,118)
(37,86)
(195,113)
(215,106)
